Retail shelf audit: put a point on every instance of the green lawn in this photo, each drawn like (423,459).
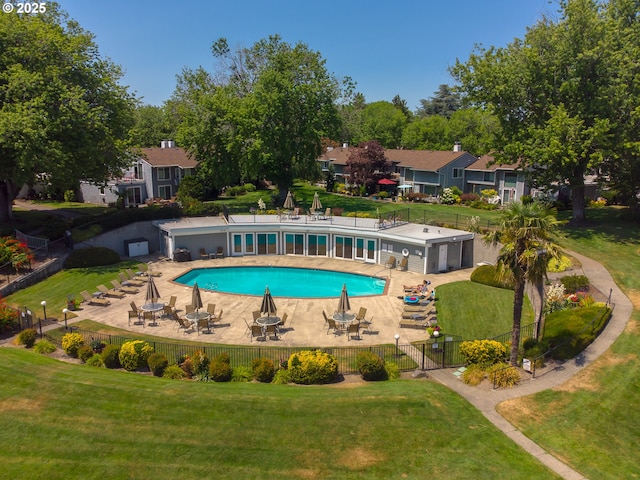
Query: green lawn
(591,422)
(473,311)
(62,421)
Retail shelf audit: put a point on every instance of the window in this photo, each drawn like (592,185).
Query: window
(101,190)
(487,177)
(137,171)
(164,191)
(164,173)
(458,172)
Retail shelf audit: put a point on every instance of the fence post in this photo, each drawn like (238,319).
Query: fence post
(423,354)
(444,352)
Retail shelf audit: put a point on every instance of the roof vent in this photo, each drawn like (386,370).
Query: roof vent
(425,230)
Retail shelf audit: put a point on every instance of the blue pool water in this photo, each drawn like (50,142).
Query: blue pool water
(282,281)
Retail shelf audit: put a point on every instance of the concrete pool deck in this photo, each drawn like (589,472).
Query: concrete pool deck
(305,324)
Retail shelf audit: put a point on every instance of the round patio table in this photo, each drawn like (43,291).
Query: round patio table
(153,308)
(344,318)
(197,316)
(267,321)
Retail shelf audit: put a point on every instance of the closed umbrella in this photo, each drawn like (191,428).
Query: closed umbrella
(288,202)
(196,299)
(343,304)
(152,291)
(316,205)
(268,307)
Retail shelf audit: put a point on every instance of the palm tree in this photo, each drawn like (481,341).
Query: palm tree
(524,232)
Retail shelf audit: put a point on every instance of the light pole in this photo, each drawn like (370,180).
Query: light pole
(65,311)
(397,337)
(44,308)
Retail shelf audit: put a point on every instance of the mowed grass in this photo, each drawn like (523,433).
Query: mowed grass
(591,422)
(62,421)
(476,311)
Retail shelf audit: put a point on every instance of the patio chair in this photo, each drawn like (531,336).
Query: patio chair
(326,319)
(272,332)
(333,326)
(204,255)
(353,328)
(391,262)
(203,323)
(134,313)
(172,301)
(168,311)
(404,264)
(148,318)
(103,302)
(256,315)
(189,309)
(127,282)
(185,324)
(110,292)
(256,331)
(361,313)
(135,278)
(327,213)
(123,288)
(295,214)
(218,318)
(366,326)
(280,326)
(211,309)
(219,252)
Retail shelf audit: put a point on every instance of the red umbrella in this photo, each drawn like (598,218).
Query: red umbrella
(386,181)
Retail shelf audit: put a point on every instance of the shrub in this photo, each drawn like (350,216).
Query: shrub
(95,361)
(529,343)
(281,377)
(71,342)
(468,198)
(575,283)
(483,352)
(91,257)
(27,337)
(503,375)
(572,330)
(8,317)
(263,369)
(219,370)
(157,363)
(555,299)
(111,356)
(98,345)
(85,352)
(200,363)
(371,366)
(559,265)
(134,355)
(186,364)
(312,367)
(44,346)
(242,373)
(173,372)
(393,372)
(488,275)
(473,375)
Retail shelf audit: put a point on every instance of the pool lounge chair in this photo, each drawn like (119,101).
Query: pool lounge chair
(128,281)
(110,292)
(94,300)
(124,288)
(406,323)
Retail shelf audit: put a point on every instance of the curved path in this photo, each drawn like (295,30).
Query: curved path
(486,402)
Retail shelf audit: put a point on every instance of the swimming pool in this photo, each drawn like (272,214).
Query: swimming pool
(283,281)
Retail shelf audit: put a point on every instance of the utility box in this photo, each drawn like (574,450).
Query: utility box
(136,247)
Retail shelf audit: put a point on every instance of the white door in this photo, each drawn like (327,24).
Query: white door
(442,258)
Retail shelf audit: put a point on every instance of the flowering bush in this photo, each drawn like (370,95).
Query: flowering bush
(14,252)
(448,197)
(559,265)
(8,317)
(556,298)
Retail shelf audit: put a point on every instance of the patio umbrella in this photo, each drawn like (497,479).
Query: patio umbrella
(386,181)
(316,205)
(268,306)
(405,186)
(196,299)
(343,304)
(288,202)
(152,291)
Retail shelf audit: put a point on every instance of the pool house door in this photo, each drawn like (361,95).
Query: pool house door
(244,244)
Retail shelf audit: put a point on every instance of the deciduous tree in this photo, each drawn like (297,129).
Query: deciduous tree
(63,114)
(557,94)
(367,164)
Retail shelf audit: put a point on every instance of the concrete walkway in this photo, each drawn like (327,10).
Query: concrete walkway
(486,401)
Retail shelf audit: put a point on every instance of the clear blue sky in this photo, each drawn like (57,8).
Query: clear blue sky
(392,47)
